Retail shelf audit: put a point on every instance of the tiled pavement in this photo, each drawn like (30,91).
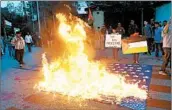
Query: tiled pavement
(160,87)
(17,91)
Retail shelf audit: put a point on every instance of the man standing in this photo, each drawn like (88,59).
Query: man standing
(164,23)
(147,33)
(167,40)
(29,41)
(152,23)
(132,27)
(1,46)
(110,30)
(134,33)
(158,39)
(19,43)
(120,30)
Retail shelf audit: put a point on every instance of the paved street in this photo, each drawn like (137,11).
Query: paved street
(18,93)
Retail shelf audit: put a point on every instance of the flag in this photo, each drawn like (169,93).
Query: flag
(90,17)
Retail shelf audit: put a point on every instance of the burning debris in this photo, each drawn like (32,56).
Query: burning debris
(75,75)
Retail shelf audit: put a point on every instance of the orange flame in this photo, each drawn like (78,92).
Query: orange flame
(75,75)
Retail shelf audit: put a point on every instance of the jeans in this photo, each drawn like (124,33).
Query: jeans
(29,47)
(11,51)
(149,42)
(158,47)
(166,59)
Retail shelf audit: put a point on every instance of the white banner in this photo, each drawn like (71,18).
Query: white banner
(113,40)
(8,23)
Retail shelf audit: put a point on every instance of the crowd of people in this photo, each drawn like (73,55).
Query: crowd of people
(158,38)
(16,45)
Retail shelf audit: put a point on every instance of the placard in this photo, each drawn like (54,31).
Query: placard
(134,47)
(113,40)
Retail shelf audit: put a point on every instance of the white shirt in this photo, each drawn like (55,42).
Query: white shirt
(28,39)
(18,43)
(167,38)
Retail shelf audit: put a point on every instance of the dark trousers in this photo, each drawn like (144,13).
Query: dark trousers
(29,46)
(149,43)
(158,47)
(166,58)
(19,55)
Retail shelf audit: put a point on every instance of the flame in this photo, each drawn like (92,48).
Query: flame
(74,75)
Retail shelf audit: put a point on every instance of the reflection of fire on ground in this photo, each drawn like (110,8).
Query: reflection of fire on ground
(74,74)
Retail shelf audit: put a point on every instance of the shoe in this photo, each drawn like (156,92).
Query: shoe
(21,65)
(149,54)
(136,62)
(163,72)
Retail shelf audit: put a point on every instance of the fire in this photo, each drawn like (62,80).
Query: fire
(74,75)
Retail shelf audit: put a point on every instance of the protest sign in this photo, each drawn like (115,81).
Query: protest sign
(113,41)
(137,45)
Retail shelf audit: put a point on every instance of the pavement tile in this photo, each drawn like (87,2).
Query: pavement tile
(161,82)
(22,81)
(160,95)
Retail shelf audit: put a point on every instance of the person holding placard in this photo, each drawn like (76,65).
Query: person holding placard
(135,35)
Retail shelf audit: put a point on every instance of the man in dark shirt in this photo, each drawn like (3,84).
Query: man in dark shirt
(132,27)
(152,22)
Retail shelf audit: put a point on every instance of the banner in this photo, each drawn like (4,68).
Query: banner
(113,40)
(7,23)
(134,46)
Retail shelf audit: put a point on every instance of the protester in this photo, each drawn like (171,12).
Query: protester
(19,43)
(158,39)
(10,46)
(4,44)
(133,32)
(29,41)
(152,23)
(115,50)
(160,24)
(50,39)
(164,23)
(120,29)
(103,34)
(110,30)
(167,38)
(132,27)
(136,55)
(147,33)
(1,46)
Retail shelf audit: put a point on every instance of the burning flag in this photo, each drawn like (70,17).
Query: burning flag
(75,75)
(90,17)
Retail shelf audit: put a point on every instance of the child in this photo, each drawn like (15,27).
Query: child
(136,55)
